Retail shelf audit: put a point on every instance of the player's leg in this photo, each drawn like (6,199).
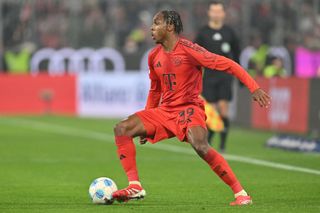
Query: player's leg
(124,133)
(197,136)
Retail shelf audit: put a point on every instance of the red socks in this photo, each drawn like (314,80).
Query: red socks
(220,166)
(127,156)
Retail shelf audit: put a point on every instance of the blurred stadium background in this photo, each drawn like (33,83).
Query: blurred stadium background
(70,69)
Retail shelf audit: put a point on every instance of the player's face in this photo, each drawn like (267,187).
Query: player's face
(216,13)
(158,28)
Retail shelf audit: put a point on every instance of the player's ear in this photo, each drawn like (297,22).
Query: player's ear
(170,27)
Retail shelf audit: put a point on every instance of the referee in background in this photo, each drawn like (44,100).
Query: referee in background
(217,86)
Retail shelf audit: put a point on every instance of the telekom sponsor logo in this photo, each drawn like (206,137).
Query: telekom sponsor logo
(280,106)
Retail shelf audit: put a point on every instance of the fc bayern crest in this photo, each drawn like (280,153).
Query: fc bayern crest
(176,61)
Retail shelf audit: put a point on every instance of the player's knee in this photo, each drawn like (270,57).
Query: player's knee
(120,129)
(201,148)
(199,143)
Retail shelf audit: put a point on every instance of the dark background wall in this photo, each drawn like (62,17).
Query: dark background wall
(314,106)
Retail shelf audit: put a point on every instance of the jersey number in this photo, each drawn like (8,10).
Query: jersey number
(185,115)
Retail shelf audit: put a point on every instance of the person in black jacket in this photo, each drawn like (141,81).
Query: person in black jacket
(217,86)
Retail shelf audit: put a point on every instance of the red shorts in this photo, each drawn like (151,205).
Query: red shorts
(162,123)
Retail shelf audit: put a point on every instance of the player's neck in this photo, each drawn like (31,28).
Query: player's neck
(170,43)
(215,25)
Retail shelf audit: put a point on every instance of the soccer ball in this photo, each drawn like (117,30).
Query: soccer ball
(101,190)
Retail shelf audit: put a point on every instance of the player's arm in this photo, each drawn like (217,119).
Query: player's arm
(154,95)
(202,57)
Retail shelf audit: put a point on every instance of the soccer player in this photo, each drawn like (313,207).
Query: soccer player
(219,38)
(174,108)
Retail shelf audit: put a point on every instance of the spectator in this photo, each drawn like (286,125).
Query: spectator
(275,69)
(254,57)
(94,27)
(17,59)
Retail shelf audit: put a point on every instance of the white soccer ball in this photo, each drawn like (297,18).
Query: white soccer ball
(101,190)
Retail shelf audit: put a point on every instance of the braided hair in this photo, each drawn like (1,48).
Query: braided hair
(173,17)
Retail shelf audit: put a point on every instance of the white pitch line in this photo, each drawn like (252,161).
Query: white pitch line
(76,132)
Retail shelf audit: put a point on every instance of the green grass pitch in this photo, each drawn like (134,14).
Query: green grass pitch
(47,164)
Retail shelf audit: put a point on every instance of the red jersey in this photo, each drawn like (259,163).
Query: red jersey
(176,76)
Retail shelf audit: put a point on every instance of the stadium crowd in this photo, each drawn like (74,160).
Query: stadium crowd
(28,26)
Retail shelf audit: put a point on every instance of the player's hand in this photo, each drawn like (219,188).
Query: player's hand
(143,140)
(262,98)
